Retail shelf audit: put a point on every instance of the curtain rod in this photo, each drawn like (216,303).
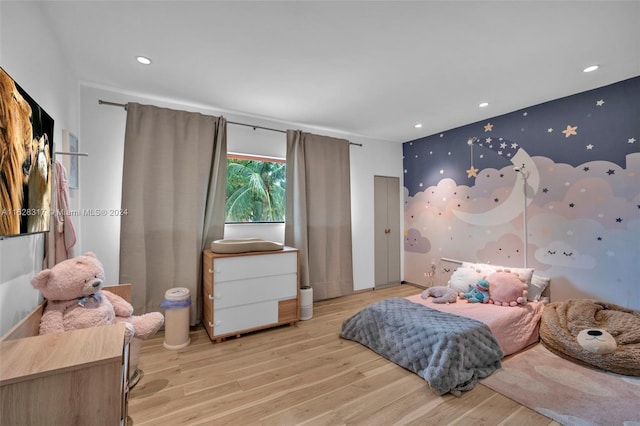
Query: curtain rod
(101,102)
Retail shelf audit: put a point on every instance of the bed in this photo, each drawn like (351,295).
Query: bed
(451,346)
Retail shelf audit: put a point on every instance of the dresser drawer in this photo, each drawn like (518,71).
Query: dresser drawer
(246,267)
(245,317)
(233,293)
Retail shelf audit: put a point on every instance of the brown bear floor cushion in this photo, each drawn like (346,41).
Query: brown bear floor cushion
(563,321)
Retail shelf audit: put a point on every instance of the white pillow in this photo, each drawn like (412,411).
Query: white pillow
(525,273)
(462,278)
(537,286)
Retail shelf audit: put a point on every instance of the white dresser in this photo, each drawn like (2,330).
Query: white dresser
(244,292)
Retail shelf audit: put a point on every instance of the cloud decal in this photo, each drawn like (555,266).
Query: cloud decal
(415,242)
(559,253)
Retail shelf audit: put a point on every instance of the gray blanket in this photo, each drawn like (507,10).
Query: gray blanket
(449,351)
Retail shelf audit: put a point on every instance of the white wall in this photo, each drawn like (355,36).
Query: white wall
(36,62)
(102,129)
(30,55)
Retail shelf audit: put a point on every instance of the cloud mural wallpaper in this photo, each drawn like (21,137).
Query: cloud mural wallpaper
(563,176)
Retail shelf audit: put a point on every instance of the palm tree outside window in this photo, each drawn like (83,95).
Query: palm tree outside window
(255,189)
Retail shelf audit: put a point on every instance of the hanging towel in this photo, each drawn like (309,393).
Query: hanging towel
(62,235)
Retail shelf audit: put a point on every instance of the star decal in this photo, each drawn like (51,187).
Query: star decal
(599,238)
(545,190)
(570,131)
(611,172)
(590,146)
(586,169)
(472,172)
(572,205)
(488,127)
(600,102)
(631,140)
(549,130)
(619,220)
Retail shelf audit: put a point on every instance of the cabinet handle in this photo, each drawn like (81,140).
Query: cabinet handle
(214,324)
(211,297)
(210,271)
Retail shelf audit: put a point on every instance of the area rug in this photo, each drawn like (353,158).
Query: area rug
(566,392)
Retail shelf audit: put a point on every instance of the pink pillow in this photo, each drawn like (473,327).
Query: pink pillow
(507,289)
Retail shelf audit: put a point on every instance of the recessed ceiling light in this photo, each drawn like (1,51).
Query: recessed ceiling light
(143,60)
(483,104)
(417,126)
(590,68)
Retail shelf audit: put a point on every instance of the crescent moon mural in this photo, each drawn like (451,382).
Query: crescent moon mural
(510,208)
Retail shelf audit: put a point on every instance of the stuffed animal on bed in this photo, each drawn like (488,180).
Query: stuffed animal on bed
(507,288)
(75,299)
(479,292)
(441,294)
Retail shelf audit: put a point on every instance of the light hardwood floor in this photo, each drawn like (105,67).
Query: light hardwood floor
(302,374)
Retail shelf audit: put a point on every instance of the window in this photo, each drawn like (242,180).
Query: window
(255,189)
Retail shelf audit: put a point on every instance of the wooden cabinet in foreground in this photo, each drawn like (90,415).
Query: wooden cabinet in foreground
(78,377)
(244,292)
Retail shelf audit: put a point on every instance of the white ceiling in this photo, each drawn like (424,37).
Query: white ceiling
(368,68)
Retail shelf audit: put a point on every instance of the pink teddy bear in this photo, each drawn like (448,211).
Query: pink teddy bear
(75,299)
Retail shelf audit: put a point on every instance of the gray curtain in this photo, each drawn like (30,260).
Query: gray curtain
(173,190)
(318,212)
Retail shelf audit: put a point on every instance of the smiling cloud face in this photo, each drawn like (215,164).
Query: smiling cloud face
(415,242)
(561,253)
